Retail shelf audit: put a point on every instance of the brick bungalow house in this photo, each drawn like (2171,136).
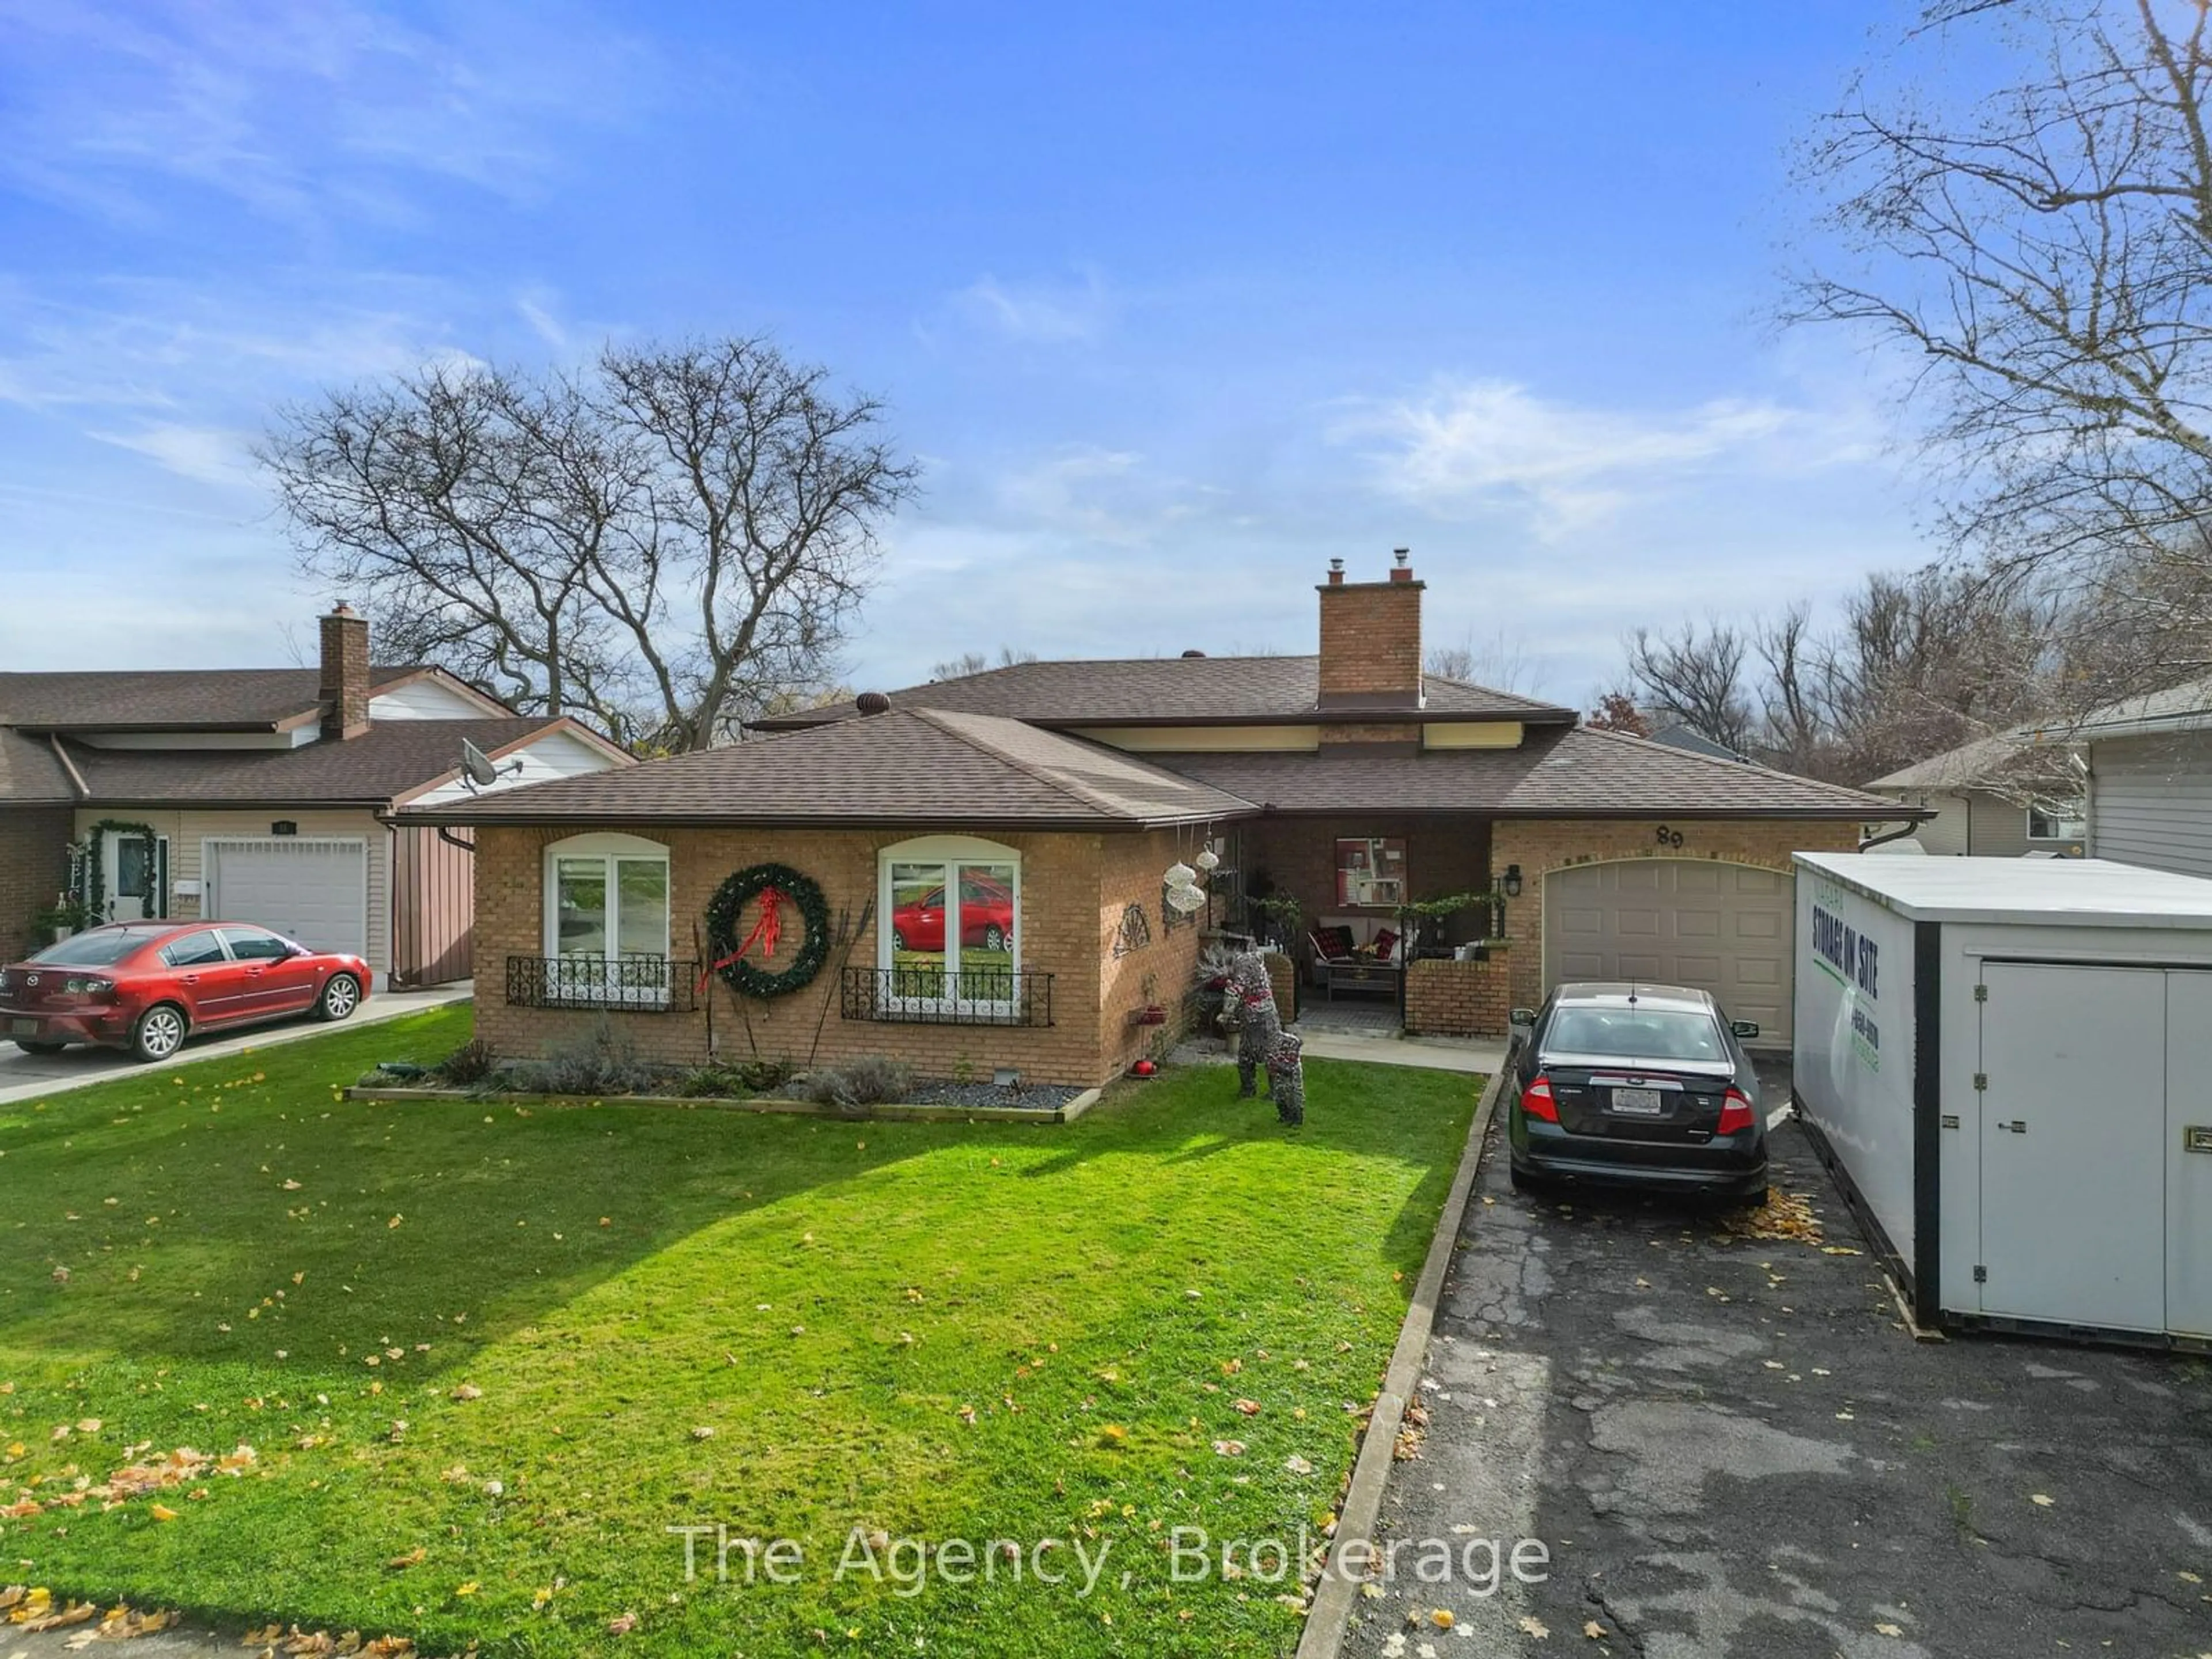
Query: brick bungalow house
(991,852)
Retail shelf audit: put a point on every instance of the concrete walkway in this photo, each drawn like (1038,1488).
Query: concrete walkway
(1435,1053)
(25,1077)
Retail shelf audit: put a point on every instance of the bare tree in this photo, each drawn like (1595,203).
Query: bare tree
(1499,662)
(1697,675)
(666,542)
(975,662)
(2047,256)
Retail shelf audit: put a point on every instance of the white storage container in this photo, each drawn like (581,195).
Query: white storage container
(2008,1066)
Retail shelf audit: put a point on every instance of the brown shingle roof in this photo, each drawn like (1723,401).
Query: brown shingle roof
(393,759)
(1168,691)
(171,699)
(30,771)
(1574,773)
(920,766)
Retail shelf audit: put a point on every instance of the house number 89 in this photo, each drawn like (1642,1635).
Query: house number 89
(1667,837)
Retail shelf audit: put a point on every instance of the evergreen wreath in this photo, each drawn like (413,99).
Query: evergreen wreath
(754,979)
(95,871)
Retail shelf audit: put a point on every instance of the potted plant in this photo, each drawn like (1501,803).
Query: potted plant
(65,916)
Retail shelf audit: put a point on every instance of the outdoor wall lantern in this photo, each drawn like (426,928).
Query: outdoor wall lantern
(1512,881)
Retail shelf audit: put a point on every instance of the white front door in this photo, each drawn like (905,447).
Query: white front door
(134,875)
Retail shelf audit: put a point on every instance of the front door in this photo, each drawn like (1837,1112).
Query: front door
(134,875)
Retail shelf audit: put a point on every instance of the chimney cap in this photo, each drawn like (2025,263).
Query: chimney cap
(873,703)
(1401,554)
(341,609)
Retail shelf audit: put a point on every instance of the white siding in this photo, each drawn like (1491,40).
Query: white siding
(1943,835)
(557,754)
(2150,802)
(186,829)
(430,699)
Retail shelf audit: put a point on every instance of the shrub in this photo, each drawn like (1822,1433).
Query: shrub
(470,1063)
(867,1081)
(740,1080)
(599,1061)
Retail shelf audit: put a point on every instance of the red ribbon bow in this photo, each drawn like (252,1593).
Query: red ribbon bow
(766,933)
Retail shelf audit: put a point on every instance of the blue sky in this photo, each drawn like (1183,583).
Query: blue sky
(1174,303)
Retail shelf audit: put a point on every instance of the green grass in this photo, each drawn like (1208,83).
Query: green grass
(825,1296)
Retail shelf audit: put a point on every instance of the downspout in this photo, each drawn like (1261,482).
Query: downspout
(1873,841)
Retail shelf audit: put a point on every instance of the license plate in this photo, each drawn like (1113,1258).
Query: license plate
(23,1028)
(1637,1102)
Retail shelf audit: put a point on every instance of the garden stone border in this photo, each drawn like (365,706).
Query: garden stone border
(1336,1593)
(779,1105)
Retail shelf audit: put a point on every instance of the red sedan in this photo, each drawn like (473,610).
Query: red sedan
(144,986)
(987,917)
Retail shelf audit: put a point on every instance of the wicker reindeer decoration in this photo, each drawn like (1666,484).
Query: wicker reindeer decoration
(1249,1006)
(1286,1078)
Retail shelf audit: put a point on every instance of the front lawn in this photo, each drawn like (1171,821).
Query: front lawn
(486,1356)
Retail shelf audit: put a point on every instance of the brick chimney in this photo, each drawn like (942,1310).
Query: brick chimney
(345,691)
(1371,639)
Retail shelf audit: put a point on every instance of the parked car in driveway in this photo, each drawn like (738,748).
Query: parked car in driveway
(1637,1086)
(145,986)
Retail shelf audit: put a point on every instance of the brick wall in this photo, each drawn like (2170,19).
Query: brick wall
(1370,638)
(1458,998)
(33,869)
(1074,890)
(1540,846)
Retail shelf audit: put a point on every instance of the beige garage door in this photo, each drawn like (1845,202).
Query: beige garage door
(1721,927)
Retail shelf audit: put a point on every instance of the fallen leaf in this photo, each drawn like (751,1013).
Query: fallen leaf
(1229,1449)
(1534,1626)
(1442,1618)
(468,1391)
(469,1589)
(414,1558)
(2040,1500)
(162,1512)
(1888,1630)
(1595,1630)
(621,1623)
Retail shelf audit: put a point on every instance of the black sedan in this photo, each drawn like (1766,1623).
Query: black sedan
(1637,1086)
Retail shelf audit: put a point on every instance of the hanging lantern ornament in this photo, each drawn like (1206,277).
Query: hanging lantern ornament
(1185,899)
(1180,875)
(1207,858)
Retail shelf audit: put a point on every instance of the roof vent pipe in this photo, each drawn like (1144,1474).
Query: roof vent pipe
(873,703)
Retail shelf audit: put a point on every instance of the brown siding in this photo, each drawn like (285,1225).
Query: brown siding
(1074,889)
(33,871)
(1442,855)
(1540,845)
(433,908)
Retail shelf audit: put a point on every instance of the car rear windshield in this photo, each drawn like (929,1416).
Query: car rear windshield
(1637,1033)
(103,948)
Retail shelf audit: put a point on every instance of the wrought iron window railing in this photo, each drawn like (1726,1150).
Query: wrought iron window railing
(619,984)
(930,996)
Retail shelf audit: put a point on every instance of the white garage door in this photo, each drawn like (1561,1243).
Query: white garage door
(1720,927)
(314,891)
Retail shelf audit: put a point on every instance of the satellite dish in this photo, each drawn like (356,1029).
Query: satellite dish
(477,770)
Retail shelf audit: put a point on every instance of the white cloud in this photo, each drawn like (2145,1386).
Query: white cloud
(1038,314)
(1487,444)
(210,455)
(309,114)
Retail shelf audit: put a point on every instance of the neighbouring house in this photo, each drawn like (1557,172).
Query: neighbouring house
(262,794)
(2003,796)
(992,852)
(2151,778)
(1676,734)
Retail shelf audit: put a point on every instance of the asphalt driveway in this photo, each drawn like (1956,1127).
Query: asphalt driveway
(1731,1447)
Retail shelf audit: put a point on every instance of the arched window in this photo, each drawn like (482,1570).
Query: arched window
(606,919)
(952,927)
